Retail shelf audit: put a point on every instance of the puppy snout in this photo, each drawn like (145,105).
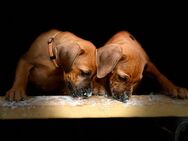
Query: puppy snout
(69,85)
(85,93)
(124,97)
(78,92)
(71,89)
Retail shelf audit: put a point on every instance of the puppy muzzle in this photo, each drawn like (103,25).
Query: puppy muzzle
(82,92)
(124,97)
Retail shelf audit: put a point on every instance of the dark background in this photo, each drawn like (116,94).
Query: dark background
(160,28)
(104,129)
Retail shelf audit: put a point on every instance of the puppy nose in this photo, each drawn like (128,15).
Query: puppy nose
(125,97)
(85,93)
(122,97)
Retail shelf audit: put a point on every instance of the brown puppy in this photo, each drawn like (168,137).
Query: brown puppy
(56,61)
(120,65)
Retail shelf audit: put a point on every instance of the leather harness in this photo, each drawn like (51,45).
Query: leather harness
(50,50)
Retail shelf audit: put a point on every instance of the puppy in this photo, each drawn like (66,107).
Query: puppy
(120,66)
(57,62)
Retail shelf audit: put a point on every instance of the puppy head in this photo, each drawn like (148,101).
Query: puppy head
(121,67)
(78,61)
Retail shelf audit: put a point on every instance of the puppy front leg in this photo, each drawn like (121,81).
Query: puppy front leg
(168,87)
(17,92)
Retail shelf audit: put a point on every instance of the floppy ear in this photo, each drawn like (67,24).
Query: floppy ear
(68,54)
(107,58)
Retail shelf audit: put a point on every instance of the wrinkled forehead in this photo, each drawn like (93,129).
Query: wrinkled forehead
(87,60)
(131,67)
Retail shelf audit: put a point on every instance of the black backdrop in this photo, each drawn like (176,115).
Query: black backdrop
(160,28)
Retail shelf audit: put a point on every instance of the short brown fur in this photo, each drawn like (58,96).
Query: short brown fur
(75,57)
(120,66)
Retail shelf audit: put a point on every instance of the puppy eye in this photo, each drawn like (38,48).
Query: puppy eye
(85,73)
(123,78)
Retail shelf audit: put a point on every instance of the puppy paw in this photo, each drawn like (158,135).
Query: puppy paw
(178,92)
(15,94)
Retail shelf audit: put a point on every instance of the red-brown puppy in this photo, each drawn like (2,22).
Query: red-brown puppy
(120,65)
(56,61)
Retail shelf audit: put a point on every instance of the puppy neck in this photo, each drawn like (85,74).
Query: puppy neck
(52,50)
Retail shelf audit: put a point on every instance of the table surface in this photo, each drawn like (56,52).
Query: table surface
(45,107)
